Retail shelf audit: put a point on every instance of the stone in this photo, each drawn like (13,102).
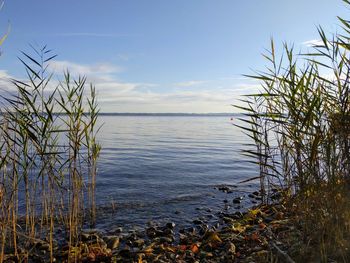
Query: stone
(139,242)
(167,240)
(168,232)
(118,230)
(113,242)
(170,225)
(237,200)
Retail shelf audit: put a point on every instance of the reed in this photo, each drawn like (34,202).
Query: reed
(48,138)
(300,124)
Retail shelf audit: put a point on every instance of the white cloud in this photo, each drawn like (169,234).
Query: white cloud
(103,69)
(5,81)
(313,42)
(92,34)
(115,95)
(190,83)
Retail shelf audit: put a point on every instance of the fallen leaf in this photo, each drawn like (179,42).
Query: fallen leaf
(149,249)
(183,247)
(194,248)
(262,226)
(214,237)
(255,237)
(238,228)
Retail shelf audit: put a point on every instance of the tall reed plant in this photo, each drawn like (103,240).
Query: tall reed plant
(300,124)
(49,156)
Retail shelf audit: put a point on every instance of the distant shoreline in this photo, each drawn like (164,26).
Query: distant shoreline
(172,114)
(159,114)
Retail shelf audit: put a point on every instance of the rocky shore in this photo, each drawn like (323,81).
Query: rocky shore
(250,236)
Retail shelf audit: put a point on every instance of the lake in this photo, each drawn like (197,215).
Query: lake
(161,168)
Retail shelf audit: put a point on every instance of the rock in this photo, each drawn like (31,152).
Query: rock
(139,242)
(224,188)
(237,200)
(151,232)
(113,242)
(170,225)
(84,236)
(225,201)
(177,212)
(118,230)
(168,232)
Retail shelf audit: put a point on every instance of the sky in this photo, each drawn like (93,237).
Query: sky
(162,55)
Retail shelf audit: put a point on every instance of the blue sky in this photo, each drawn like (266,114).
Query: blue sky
(162,55)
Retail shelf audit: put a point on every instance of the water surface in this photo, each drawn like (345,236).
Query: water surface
(161,168)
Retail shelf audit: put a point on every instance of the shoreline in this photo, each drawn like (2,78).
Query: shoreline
(235,237)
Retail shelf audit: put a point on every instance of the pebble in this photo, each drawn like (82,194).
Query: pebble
(224,188)
(168,232)
(170,225)
(118,230)
(112,242)
(139,242)
(237,200)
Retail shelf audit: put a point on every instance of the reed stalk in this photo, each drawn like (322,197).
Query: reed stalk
(42,122)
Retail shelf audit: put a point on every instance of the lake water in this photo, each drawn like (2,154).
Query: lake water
(165,168)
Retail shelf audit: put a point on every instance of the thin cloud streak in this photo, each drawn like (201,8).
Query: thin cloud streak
(88,34)
(190,83)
